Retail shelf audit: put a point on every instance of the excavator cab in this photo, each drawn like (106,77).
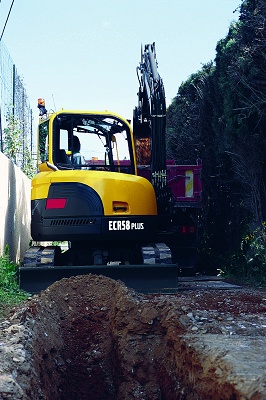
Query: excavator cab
(72,140)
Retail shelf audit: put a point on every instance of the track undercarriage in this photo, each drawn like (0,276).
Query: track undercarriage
(147,270)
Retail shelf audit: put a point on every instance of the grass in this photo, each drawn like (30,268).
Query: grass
(10,293)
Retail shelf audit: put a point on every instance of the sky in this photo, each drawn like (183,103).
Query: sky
(83,54)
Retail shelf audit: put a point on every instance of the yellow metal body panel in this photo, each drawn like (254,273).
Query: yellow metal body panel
(121,194)
(112,187)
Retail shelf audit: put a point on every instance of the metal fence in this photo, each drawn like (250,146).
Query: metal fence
(14,103)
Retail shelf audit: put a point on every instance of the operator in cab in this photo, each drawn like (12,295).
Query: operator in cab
(77,157)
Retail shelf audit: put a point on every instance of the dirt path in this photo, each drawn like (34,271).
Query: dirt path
(92,338)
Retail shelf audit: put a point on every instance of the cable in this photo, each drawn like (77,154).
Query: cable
(6,20)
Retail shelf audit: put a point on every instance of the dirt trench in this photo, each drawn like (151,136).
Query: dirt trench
(90,337)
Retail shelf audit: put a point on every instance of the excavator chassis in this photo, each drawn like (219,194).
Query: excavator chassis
(156,275)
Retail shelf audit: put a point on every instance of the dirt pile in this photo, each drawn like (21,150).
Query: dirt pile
(91,337)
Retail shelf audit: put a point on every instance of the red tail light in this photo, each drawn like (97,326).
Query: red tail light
(187,229)
(55,203)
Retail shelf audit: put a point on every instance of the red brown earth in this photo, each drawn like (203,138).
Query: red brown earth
(90,337)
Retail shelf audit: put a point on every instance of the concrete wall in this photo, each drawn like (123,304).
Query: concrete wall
(14,209)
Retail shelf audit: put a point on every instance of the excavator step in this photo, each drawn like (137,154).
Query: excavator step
(144,278)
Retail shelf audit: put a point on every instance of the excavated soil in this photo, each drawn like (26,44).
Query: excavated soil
(90,337)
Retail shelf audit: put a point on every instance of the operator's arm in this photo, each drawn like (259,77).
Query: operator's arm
(78,159)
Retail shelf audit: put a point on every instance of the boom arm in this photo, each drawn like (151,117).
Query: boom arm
(149,124)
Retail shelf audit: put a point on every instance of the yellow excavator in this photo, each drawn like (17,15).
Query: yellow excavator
(106,201)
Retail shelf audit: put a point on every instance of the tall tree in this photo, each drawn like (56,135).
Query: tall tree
(219,115)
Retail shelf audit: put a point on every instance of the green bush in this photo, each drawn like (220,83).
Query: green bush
(10,292)
(248,264)
(253,247)
(8,272)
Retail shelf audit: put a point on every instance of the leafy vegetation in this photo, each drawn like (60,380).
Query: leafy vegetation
(219,115)
(10,293)
(16,147)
